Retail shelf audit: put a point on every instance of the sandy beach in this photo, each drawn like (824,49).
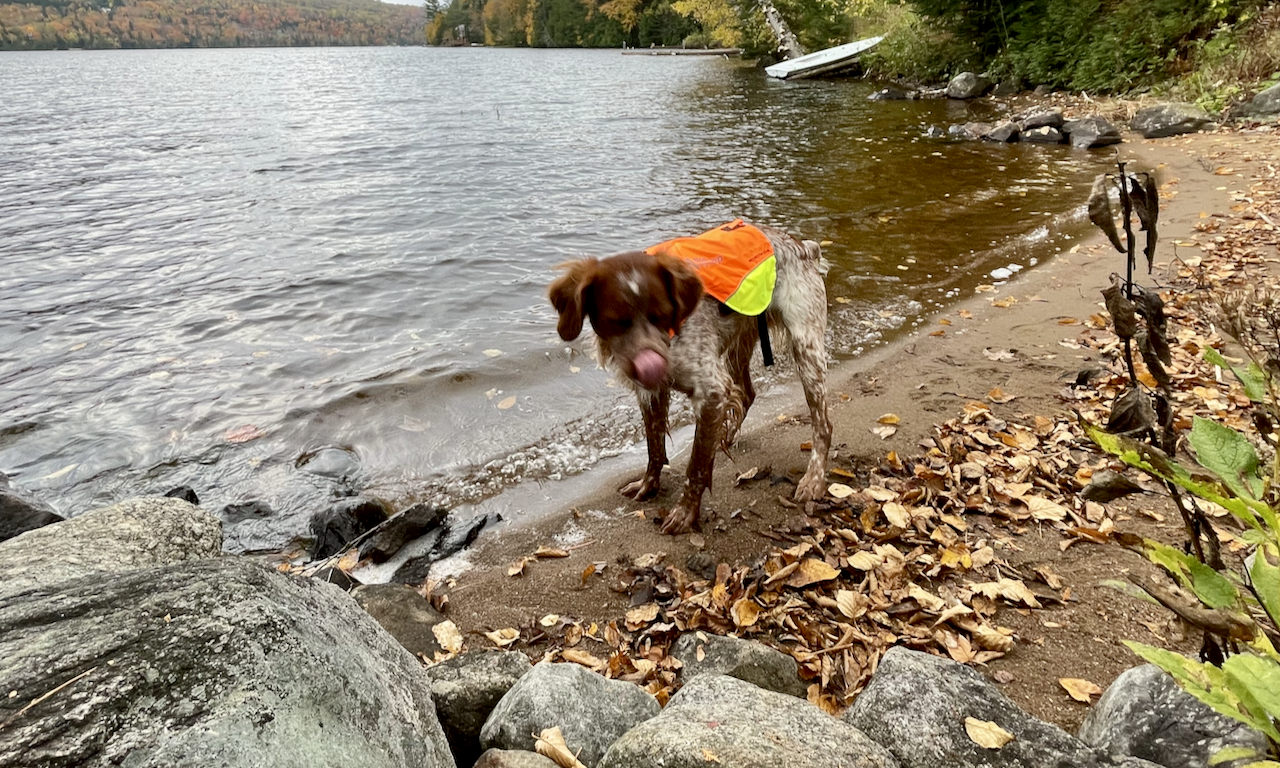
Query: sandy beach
(1022,339)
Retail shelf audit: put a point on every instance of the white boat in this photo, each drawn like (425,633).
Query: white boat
(821,62)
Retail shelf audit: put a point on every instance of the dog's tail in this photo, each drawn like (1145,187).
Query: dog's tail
(813,253)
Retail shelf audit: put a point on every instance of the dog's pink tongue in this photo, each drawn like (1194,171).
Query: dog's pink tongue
(651,368)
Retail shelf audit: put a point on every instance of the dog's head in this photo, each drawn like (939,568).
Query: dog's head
(635,302)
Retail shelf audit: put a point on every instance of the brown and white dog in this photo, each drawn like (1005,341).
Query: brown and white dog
(658,331)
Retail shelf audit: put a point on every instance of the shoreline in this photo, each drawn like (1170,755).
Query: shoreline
(985,342)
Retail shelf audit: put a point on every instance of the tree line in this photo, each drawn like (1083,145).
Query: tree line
(49,24)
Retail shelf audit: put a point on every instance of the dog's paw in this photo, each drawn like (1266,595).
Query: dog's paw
(642,489)
(681,519)
(810,488)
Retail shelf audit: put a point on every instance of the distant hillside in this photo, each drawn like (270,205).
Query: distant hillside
(46,24)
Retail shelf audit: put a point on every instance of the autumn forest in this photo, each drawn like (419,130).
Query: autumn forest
(48,24)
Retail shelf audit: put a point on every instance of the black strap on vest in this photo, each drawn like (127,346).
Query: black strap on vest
(766,351)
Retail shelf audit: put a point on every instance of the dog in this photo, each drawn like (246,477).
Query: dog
(658,330)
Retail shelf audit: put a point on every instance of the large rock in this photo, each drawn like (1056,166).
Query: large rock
(916,705)
(20,513)
(1170,120)
(720,720)
(137,533)
(341,522)
(1045,134)
(746,660)
(400,529)
(1263,103)
(216,663)
(1007,133)
(404,613)
(466,688)
(1051,118)
(967,85)
(1144,713)
(592,712)
(1090,132)
(513,758)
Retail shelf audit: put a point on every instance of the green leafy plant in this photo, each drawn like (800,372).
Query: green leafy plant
(1238,609)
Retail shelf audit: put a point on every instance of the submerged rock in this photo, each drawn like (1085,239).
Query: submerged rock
(753,662)
(1145,714)
(333,463)
(890,93)
(20,513)
(720,720)
(137,533)
(222,662)
(184,492)
(590,711)
(466,688)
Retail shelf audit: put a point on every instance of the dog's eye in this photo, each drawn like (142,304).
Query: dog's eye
(624,323)
(657,320)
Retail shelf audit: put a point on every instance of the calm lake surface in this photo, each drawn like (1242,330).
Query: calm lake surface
(217,263)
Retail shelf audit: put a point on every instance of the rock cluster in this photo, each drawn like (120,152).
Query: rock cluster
(125,638)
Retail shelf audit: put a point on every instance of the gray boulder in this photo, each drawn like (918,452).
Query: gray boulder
(1170,120)
(514,758)
(916,705)
(744,659)
(1262,104)
(466,688)
(216,663)
(1090,132)
(1006,132)
(967,85)
(1145,714)
(20,512)
(137,533)
(1006,88)
(723,721)
(591,712)
(1045,134)
(975,130)
(1049,117)
(404,613)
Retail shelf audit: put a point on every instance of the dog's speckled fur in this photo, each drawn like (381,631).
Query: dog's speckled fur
(640,305)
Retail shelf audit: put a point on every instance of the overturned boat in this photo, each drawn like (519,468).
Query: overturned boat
(821,62)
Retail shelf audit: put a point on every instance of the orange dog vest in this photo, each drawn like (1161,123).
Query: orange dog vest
(734,261)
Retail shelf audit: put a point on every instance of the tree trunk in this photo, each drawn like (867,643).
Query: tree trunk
(788,46)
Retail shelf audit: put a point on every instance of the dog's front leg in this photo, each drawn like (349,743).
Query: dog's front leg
(654,407)
(706,439)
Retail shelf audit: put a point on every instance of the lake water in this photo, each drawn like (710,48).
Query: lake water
(216,263)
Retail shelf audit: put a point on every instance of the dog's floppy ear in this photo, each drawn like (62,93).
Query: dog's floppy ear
(683,286)
(569,296)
